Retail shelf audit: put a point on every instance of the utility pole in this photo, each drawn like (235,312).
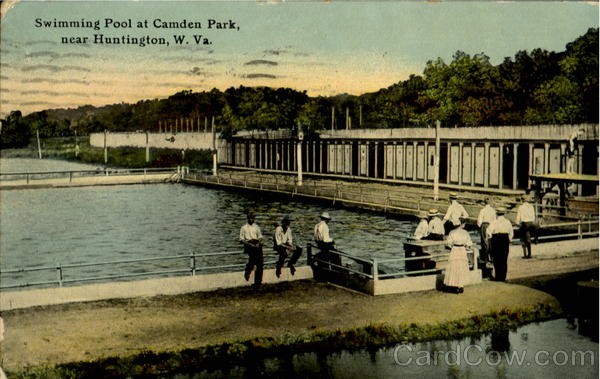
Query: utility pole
(214,171)
(105,148)
(37,133)
(299,154)
(332,117)
(436,163)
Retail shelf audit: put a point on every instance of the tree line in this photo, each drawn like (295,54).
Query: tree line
(537,87)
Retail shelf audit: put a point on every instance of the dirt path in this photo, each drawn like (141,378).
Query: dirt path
(88,331)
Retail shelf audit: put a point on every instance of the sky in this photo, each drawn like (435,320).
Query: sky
(52,55)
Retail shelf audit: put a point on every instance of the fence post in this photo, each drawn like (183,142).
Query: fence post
(309,253)
(193,263)
(59,275)
(579,236)
(27,178)
(70,176)
(375,270)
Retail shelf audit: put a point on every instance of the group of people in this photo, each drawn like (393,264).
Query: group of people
(496,232)
(283,243)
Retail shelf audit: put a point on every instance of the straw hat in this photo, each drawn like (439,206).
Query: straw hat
(433,212)
(325,215)
(453,196)
(501,210)
(423,214)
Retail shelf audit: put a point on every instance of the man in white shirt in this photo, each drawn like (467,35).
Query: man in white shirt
(526,221)
(454,213)
(324,241)
(500,232)
(436,226)
(284,246)
(252,239)
(486,215)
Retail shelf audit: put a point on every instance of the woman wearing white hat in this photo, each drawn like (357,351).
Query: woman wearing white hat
(457,271)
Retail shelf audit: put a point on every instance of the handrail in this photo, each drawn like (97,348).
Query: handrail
(97,170)
(363,194)
(60,269)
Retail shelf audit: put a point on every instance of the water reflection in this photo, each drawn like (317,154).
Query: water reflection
(535,350)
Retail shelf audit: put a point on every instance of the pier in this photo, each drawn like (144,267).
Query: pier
(84,178)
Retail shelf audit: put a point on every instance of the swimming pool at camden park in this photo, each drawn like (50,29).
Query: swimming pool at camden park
(47,227)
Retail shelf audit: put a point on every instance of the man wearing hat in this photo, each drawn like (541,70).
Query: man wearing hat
(500,232)
(454,213)
(436,226)
(324,241)
(422,229)
(284,246)
(526,221)
(252,239)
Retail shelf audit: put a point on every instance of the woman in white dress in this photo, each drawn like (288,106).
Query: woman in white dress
(457,271)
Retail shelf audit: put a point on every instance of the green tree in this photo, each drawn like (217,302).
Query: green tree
(465,92)
(14,132)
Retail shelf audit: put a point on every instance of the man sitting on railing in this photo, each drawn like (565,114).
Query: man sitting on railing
(252,239)
(285,247)
(436,226)
(422,229)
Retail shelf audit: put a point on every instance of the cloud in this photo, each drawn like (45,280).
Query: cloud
(54,93)
(41,42)
(30,103)
(55,81)
(189,59)
(258,62)
(75,55)
(259,76)
(176,85)
(38,54)
(285,50)
(198,71)
(54,68)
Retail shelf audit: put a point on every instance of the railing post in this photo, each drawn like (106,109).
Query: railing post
(375,270)
(59,275)
(193,263)
(70,176)
(579,236)
(27,178)
(309,253)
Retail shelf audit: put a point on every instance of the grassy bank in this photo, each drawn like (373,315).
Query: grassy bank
(127,157)
(151,363)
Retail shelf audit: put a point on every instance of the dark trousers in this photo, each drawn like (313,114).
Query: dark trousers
(326,253)
(485,246)
(283,254)
(434,237)
(527,229)
(499,247)
(255,259)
